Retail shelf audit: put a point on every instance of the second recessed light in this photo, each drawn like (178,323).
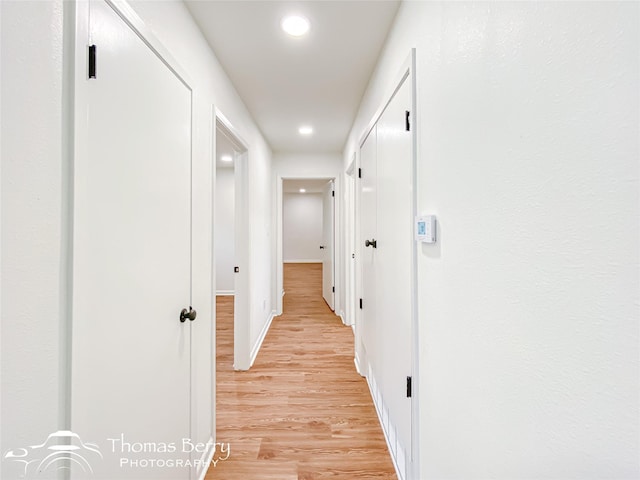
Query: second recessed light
(295,25)
(305,130)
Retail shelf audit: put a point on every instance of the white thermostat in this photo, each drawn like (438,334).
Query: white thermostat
(426,229)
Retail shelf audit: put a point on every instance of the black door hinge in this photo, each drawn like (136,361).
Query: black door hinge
(333,289)
(359,173)
(92,61)
(236,269)
(333,193)
(408,387)
(407,125)
(360,304)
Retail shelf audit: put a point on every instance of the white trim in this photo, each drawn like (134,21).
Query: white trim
(302,261)
(208,454)
(357,364)
(383,425)
(131,18)
(256,348)
(225,293)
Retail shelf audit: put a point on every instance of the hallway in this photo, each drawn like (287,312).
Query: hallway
(301,412)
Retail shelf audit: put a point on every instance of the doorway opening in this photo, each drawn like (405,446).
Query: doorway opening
(308,230)
(231,246)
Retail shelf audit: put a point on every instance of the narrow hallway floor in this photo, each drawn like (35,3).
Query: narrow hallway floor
(302,412)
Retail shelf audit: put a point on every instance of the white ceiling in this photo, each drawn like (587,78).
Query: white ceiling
(285,81)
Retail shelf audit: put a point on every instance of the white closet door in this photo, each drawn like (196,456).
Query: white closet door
(394,262)
(328,247)
(368,232)
(132,233)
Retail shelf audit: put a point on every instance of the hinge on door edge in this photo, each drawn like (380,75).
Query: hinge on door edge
(333,193)
(408,387)
(333,289)
(359,173)
(92,61)
(407,125)
(360,304)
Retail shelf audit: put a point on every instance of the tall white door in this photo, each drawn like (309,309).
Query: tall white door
(386,209)
(394,267)
(328,247)
(368,232)
(132,234)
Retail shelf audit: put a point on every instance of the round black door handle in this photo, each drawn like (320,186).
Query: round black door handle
(321,247)
(371,243)
(190,314)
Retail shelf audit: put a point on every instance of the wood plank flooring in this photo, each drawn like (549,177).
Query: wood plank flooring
(302,412)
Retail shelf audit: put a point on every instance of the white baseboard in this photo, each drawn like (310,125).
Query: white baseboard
(356,361)
(225,293)
(263,333)
(208,454)
(395,451)
(302,261)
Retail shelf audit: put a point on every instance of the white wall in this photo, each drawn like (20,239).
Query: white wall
(33,300)
(528,117)
(225,231)
(302,227)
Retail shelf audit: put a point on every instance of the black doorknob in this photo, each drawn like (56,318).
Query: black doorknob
(321,247)
(371,243)
(190,314)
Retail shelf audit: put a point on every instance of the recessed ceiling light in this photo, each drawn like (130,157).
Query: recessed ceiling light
(305,130)
(226,158)
(302,190)
(295,25)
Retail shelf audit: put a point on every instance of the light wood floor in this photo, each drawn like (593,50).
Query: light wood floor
(301,412)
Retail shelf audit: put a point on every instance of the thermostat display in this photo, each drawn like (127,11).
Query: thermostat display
(426,229)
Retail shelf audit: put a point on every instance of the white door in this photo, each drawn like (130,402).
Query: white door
(386,210)
(328,247)
(132,234)
(368,232)
(394,268)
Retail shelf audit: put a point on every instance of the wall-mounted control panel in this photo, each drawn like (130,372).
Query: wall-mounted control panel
(426,229)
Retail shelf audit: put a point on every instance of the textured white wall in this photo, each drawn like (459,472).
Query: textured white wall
(529,304)
(33,295)
(225,230)
(302,227)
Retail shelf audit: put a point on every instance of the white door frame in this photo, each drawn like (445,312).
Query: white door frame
(408,69)
(279,286)
(241,339)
